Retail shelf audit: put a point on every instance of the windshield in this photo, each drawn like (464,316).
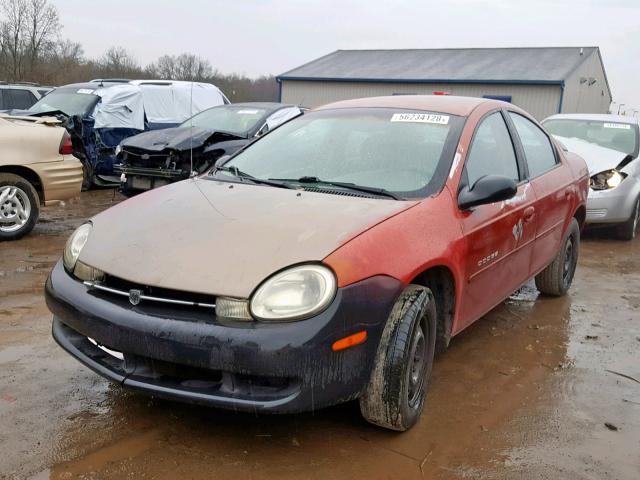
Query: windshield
(70,102)
(617,136)
(391,149)
(232,119)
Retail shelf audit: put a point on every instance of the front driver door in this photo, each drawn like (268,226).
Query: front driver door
(499,236)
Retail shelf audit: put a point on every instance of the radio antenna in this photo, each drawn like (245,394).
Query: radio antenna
(191,132)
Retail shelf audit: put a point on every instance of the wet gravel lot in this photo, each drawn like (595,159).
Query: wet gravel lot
(540,388)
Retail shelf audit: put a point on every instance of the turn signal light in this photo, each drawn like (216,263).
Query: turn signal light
(350,341)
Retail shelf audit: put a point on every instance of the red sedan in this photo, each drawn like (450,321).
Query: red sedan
(327,261)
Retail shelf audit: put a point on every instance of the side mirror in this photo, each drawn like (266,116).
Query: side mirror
(222,160)
(487,189)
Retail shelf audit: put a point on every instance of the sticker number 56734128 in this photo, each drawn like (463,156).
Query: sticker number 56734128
(420,117)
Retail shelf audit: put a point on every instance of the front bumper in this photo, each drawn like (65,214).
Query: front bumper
(195,357)
(615,205)
(140,178)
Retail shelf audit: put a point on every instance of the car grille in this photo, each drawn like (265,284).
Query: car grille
(142,158)
(143,294)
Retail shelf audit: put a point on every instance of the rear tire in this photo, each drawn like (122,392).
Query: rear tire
(627,230)
(19,206)
(556,279)
(394,397)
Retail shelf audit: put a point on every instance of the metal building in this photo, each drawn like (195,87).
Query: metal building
(543,80)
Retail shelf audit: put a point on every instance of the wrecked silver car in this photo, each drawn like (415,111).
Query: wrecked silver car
(609,145)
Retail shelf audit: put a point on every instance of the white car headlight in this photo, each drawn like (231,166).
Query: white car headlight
(74,246)
(118,150)
(294,294)
(607,180)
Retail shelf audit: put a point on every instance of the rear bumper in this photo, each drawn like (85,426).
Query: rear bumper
(615,205)
(61,180)
(195,357)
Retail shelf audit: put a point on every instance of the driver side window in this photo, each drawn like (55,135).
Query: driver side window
(491,151)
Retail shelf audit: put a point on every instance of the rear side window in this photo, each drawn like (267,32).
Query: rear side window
(492,151)
(19,99)
(537,147)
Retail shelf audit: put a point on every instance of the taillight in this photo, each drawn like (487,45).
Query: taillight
(66,147)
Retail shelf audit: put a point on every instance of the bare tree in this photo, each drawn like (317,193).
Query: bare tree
(118,62)
(185,66)
(43,27)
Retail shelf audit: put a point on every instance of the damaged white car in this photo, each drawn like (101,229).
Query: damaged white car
(609,145)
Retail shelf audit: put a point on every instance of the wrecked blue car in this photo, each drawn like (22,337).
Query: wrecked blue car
(101,113)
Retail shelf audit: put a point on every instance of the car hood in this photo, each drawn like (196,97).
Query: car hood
(597,158)
(178,138)
(223,238)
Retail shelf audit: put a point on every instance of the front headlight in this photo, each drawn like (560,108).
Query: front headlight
(74,246)
(118,150)
(294,294)
(607,180)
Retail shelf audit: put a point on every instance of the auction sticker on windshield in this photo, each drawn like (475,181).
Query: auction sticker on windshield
(420,117)
(247,112)
(85,90)
(624,126)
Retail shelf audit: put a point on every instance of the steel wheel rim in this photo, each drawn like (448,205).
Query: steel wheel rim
(568,260)
(636,219)
(417,364)
(15,208)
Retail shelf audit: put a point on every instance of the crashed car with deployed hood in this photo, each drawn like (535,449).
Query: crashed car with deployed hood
(156,158)
(101,113)
(610,145)
(325,262)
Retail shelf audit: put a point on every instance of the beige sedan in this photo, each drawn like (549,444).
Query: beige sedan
(36,168)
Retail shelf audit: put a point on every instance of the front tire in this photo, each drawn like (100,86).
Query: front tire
(556,279)
(627,230)
(19,206)
(394,397)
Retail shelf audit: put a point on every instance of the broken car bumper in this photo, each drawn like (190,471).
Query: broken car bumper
(196,357)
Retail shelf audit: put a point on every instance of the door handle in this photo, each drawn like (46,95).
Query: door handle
(529,213)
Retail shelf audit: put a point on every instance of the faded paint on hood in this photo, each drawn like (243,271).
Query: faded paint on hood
(597,158)
(223,238)
(178,138)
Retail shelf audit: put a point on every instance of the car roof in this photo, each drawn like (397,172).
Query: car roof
(454,105)
(598,117)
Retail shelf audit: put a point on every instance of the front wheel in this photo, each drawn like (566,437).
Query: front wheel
(19,206)
(627,231)
(556,279)
(394,397)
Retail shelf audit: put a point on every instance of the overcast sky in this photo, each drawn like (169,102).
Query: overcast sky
(258,37)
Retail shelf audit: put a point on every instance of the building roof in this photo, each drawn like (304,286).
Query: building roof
(540,65)
(451,104)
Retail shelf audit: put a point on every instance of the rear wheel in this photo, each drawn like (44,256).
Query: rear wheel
(556,279)
(19,206)
(627,231)
(87,175)
(394,397)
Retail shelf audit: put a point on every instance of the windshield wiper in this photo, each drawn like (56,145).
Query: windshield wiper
(347,185)
(236,172)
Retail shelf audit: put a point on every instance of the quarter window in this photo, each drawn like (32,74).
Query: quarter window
(492,151)
(537,147)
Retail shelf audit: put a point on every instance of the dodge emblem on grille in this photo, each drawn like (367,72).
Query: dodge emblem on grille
(134,296)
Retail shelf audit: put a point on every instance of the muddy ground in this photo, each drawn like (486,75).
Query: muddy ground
(527,392)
